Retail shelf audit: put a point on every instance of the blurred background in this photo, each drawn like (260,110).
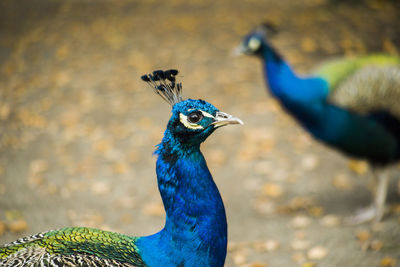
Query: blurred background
(78,126)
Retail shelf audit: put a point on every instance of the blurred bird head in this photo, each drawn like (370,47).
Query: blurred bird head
(255,42)
(192,121)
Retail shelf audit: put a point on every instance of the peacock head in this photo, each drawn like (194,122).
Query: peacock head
(255,42)
(192,121)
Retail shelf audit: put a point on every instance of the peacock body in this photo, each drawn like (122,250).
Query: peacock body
(349,104)
(195,232)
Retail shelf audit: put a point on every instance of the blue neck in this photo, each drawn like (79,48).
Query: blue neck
(195,232)
(303,97)
(285,84)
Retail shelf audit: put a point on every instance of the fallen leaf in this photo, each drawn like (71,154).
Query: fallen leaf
(358,166)
(18,226)
(217,157)
(299,257)
(300,234)
(389,47)
(266,246)
(101,188)
(342,182)
(330,220)
(3,228)
(30,119)
(378,227)
(13,215)
(38,166)
(264,206)
(70,118)
(300,221)
(256,264)
(316,211)
(387,262)
(308,44)
(51,189)
(127,218)
(317,253)
(232,246)
(297,204)
(363,235)
(103,145)
(62,52)
(35,180)
(5,110)
(272,190)
(309,162)
(120,167)
(145,122)
(376,245)
(240,256)
(299,244)
(154,209)
(133,156)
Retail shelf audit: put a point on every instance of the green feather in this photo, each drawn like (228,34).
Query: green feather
(80,240)
(336,71)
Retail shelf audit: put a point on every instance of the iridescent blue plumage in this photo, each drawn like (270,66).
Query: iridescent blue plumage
(195,232)
(372,134)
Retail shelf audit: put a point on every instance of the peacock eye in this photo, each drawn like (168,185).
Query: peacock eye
(195,117)
(254,43)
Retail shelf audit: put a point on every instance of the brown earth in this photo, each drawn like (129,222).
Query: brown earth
(78,127)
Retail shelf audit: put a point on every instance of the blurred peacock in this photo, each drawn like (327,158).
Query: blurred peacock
(195,231)
(351,104)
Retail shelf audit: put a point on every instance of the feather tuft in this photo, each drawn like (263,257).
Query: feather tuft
(164,84)
(267,29)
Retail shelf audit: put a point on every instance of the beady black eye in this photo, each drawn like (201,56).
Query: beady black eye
(195,117)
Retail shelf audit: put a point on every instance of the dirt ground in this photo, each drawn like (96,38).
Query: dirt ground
(78,127)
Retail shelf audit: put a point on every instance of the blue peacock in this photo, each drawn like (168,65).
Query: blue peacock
(195,231)
(350,104)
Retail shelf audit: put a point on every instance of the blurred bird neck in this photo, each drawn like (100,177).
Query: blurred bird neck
(279,75)
(303,97)
(196,226)
(286,85)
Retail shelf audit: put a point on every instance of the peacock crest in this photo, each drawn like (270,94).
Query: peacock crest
(164,84)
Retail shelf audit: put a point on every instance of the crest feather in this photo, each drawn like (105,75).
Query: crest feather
(164,84)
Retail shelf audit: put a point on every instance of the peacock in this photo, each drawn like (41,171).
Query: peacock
(195,231)
(350,104)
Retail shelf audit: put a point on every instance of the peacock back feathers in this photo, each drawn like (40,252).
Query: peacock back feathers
(366,85)
(73,246)
(337,71)
(370,89)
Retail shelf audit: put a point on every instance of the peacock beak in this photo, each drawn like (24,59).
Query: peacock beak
(239,50)
(222,119)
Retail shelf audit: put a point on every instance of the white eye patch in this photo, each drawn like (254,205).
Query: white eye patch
(254,43)
(184,120)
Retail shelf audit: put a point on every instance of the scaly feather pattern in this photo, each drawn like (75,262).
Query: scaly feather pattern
(349,104)
(195,232)
(74,246)
(336,71)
